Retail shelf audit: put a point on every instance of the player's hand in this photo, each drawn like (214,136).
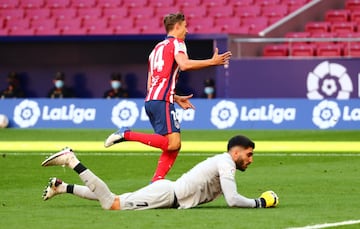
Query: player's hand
(183,101)
(221,59)
(269,199)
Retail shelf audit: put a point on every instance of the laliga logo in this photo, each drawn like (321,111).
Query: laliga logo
(224,114)
(125,113)
(329,80)
(326,114)
(27,113)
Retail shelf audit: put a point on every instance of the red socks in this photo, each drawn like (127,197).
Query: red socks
(167,158)
(166,161)
(154,140)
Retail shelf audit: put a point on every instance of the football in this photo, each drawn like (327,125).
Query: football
(4,121)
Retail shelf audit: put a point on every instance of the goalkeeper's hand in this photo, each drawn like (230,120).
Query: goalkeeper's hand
(267,199)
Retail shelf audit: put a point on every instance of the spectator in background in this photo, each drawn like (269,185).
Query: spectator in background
(209,89)
(117,90)
(60,90)
(13,89)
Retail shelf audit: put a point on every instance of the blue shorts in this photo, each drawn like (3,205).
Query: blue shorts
(162,117)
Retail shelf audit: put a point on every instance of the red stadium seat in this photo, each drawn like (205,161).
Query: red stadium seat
(15,31)
(121,23)
(115,12)
(353,5)
(327,37)
(343,27)
(241,2)
(317,27)
(256,24)
(188,3)
(95,22)
(135,3)
(276,50)
(352,50)
(202,24)
(247,11)
(45,23)
(329,50)
(57,3)
(18,23)
(46,31)
(302,50)
(243,29)
(337,15)
(89,13)
(148,24)
(275,11)
(12,13)
(207,30)
(59,13)
(109,3)
(83,3)
(296,35)
(220,11)
(355,16)
(68,30)
(36,14)
(6,4)
(32,3)
(219,3)
(227,23)
(152,30)
(93,30)
(69,23)
(127,31)
(141,12)
(194,12)
(161,3)
(160,12)
(267,2)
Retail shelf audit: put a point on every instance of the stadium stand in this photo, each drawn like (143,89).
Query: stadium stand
(238,16)
(326,38)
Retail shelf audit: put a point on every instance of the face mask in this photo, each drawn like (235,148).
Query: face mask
(208,90)
(115,84)
(59,83)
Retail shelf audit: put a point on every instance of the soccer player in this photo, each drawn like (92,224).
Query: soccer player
(203,183)
(167,59)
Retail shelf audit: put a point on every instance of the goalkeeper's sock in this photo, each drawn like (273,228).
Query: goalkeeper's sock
(154,140)
(166,161)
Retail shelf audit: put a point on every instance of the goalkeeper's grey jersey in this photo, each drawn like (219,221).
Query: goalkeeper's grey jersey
(207,181)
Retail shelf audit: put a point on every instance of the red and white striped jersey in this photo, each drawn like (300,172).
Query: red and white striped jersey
(163,69)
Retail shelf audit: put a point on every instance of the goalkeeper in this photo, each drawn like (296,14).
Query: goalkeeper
(203,183)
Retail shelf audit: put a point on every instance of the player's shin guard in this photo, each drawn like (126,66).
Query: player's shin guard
(154,140)
(166,161)
(99,188)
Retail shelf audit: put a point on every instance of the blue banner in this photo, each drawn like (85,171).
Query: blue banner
(209,114)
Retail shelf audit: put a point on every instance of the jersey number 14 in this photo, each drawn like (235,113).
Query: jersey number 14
(156,59)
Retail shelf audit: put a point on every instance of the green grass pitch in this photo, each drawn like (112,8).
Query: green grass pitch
(315,173)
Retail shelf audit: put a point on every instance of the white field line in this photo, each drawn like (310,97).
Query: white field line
(327,225)
(185,154)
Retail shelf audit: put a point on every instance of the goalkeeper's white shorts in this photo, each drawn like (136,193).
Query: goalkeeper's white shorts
(159,194)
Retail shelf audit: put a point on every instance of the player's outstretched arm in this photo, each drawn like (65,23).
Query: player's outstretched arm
(183,101)
(188,64)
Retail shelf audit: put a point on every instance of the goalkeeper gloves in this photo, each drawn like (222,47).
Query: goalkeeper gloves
(267,199)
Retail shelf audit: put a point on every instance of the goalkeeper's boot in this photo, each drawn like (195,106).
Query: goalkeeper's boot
(117,137)
(61,158)
(51,189)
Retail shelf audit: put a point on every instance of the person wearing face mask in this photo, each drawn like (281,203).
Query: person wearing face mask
(13,90)
(117,90)
(209,89)
(60,90)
